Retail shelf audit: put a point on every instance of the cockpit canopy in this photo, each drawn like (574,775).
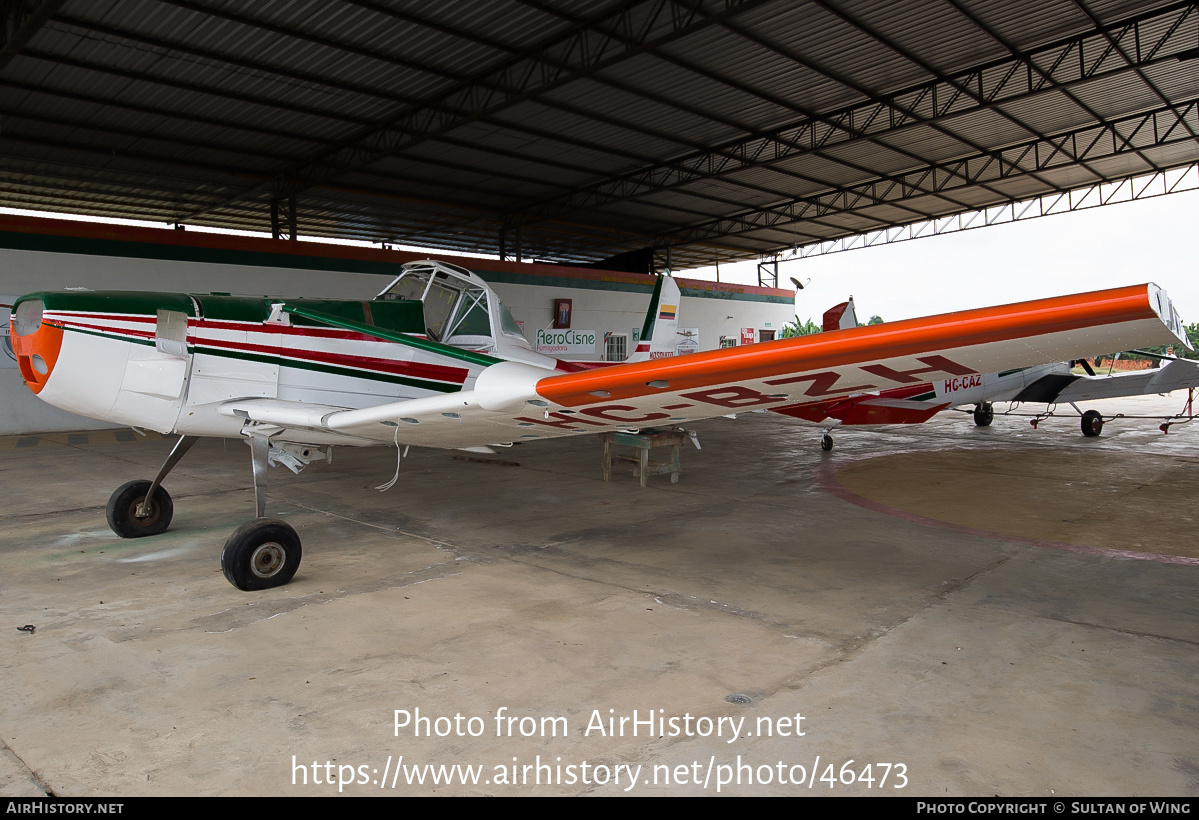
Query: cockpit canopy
(460,309)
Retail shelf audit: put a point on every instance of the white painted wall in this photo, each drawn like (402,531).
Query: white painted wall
(617,312)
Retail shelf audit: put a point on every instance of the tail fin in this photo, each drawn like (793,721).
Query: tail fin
(659,334)
(840,317)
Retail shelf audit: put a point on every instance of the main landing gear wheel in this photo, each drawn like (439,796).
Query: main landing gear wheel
(826,442)
(122,511)
(1092,423)
(261,554)
(984,414)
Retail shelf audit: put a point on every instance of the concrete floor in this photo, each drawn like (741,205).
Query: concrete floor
(969,611)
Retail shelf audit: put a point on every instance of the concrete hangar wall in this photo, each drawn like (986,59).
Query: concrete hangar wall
(51,254)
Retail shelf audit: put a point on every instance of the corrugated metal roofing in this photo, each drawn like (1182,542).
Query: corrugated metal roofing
(576,130)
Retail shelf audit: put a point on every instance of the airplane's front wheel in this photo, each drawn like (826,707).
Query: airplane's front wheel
(984,414)
(1092,423)
(261,554)
(826,442)
(123,508)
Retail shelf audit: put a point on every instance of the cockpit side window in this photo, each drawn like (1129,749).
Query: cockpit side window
(439,301)
(508,325)
(471,317)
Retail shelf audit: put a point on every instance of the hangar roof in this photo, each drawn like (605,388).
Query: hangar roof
(576,130)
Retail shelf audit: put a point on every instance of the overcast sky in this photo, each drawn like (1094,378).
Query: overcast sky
(1152,240)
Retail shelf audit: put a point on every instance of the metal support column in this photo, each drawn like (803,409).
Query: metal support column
(769,271)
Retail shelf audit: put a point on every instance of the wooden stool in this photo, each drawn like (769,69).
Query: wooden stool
(644,441)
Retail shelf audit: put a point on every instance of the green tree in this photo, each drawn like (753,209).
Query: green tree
(1192,333)
(798,328)
(1193,336)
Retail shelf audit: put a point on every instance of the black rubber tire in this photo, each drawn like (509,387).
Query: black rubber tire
(1092,423)
(122,510)
(984,414)
(261,554)
(826,443)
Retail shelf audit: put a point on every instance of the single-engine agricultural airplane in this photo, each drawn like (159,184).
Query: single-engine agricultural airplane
(1057,383)
(436,360)
(1047,384)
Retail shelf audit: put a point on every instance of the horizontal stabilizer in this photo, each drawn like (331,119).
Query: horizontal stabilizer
(1179,374)
(865,410)
(814,411)
(887,411)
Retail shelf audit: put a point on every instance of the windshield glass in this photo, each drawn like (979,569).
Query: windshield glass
(453,306)
(410,286)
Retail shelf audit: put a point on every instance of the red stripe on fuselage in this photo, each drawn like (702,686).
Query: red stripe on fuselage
(120,331)
(290,330)
(240,326)
(114,317)
(417,370)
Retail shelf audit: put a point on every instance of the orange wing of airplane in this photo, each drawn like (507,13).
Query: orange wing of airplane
(513,401)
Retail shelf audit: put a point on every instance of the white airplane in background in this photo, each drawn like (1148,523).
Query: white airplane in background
(1057,384)
(436,360)
(1047,384)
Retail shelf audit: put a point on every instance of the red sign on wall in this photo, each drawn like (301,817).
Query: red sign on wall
(747,336)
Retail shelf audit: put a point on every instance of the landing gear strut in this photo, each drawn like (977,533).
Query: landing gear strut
(141,508)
